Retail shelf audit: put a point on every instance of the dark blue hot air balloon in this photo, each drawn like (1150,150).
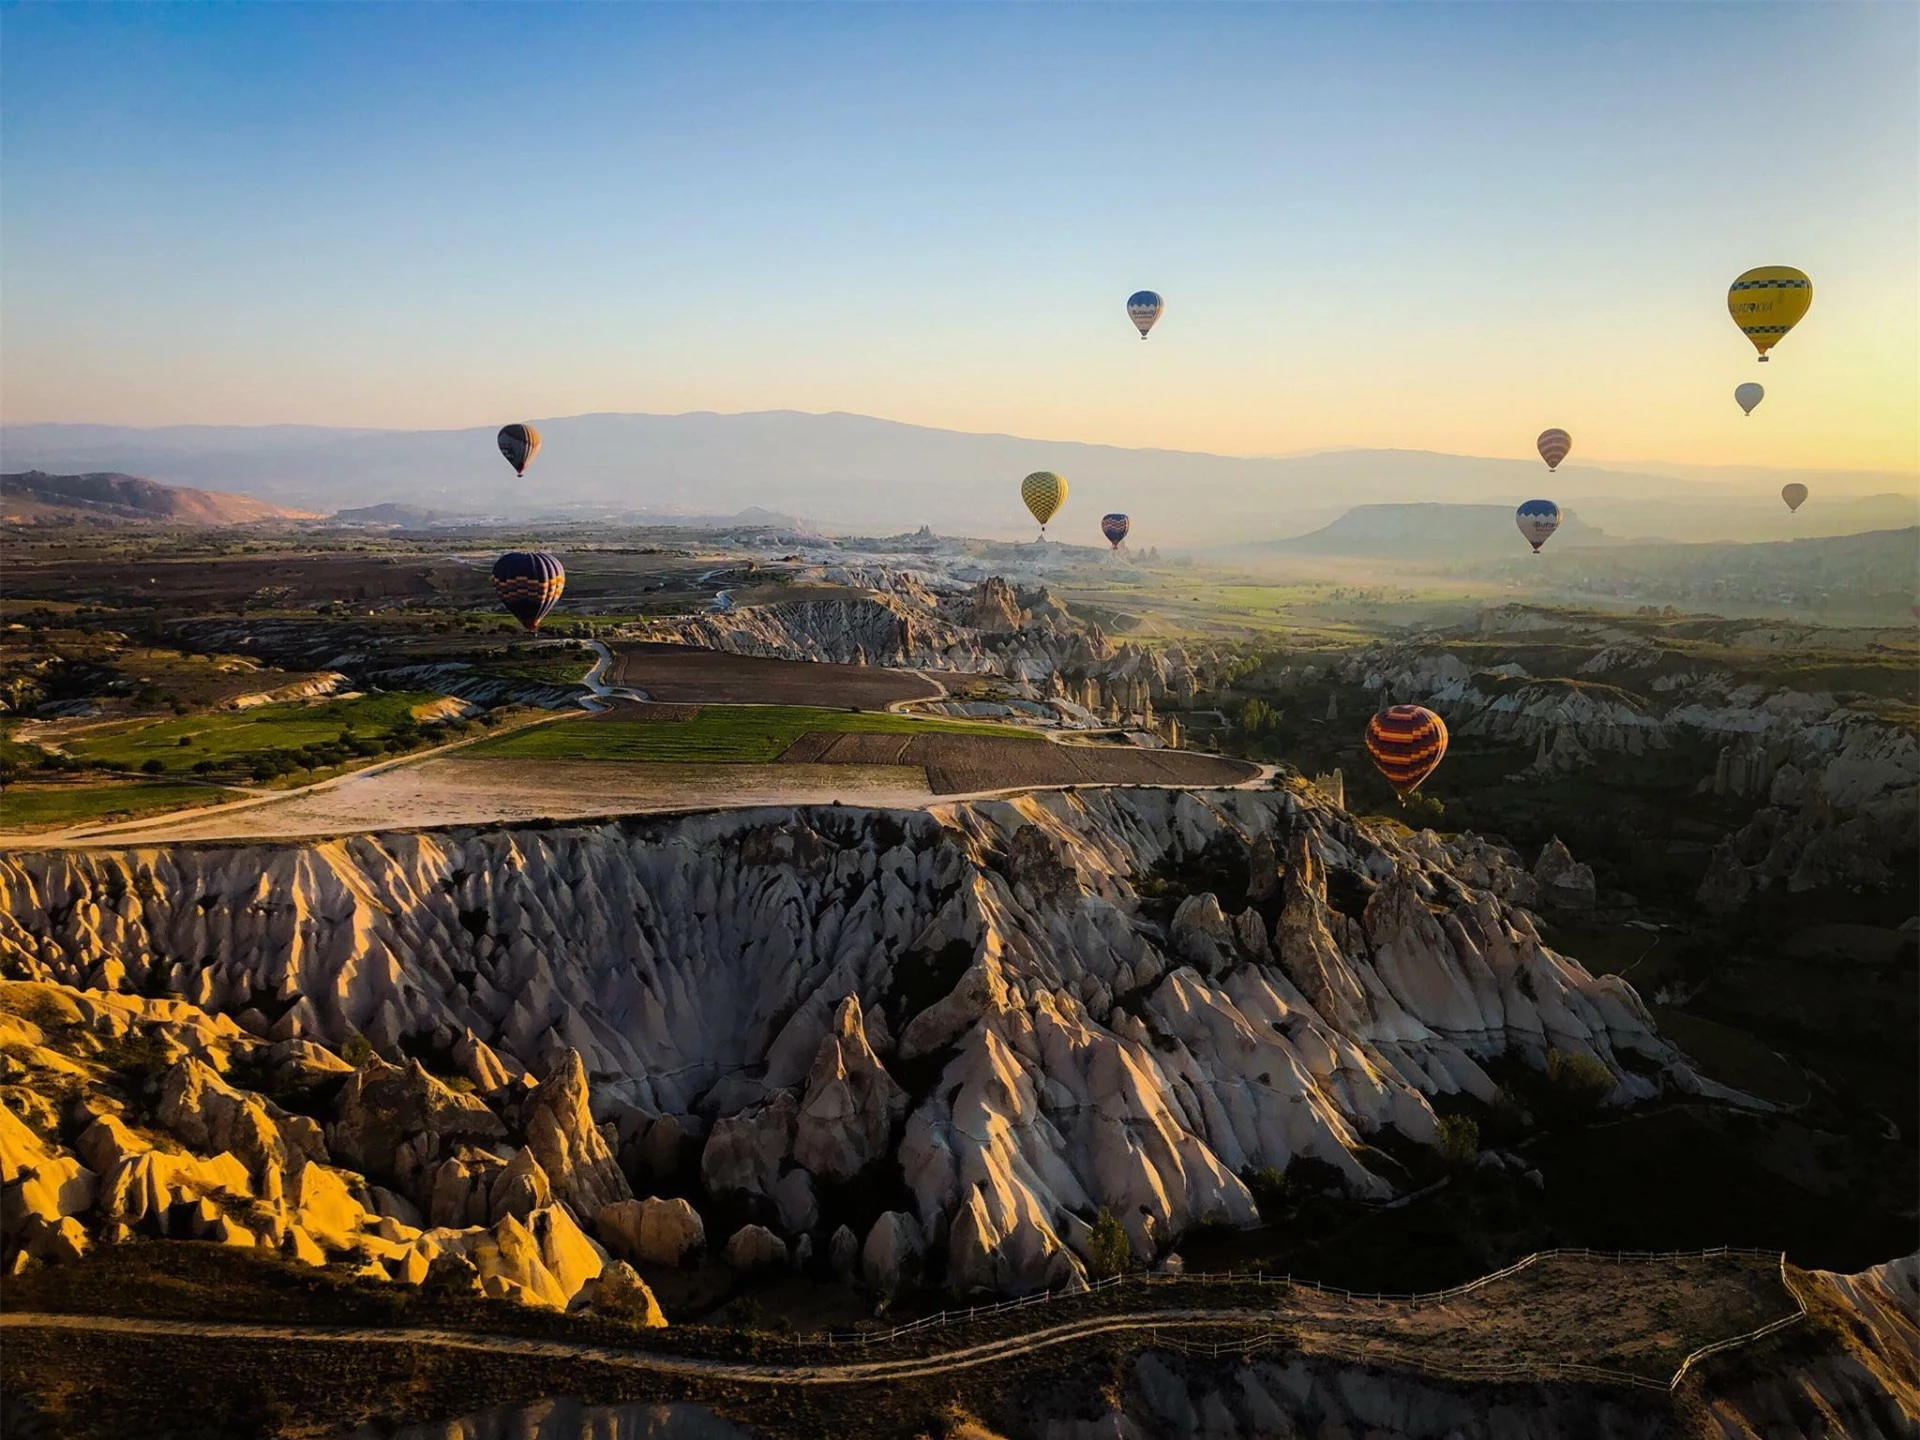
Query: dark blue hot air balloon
(1115,528)
(529,584)
(1537,519)
(1143,308)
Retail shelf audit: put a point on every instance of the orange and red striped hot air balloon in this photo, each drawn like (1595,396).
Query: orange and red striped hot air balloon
(1407,743)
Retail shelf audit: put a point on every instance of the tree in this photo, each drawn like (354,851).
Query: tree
(356,1050)
(1459,1139)
(1582,1081)
(1109,1252)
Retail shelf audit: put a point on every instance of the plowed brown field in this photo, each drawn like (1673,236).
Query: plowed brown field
(686,673)
(964,764)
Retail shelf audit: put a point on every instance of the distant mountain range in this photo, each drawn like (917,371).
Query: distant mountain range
(855,473)
(1428,533)
(34,497)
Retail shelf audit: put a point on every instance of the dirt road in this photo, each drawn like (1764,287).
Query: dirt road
(850,1373)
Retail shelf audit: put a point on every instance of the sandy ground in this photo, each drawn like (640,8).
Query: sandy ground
(454,790)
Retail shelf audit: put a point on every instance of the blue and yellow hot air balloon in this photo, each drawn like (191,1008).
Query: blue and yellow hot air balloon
(519,444)
(529,583)
(1044,493)
(1769,301)
(1115,528)
(1143,308)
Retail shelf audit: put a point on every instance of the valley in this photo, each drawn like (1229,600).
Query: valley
(802,937)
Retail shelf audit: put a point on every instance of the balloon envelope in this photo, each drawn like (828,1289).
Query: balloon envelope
(528,584)
(1748,395)
(1044,493)
(1115,528)
(1769,301)
(519,444)
(1143,308)
(1537,519)
(1553,446)
(1795,495)
(1407,743)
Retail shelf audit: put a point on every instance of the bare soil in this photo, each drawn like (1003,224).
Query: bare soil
(966,764)
(461,791)
(687,674)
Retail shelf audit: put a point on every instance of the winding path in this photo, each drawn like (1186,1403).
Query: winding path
(861,1372)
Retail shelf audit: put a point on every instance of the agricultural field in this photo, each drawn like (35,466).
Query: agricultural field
(738,734)
(967,764)
(262,743)
(682,673)
(26,808)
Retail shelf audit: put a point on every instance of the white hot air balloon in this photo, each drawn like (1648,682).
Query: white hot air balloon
(1748,395)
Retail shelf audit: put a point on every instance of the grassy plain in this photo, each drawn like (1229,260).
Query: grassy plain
(229,739)
(46,807)
(717,734)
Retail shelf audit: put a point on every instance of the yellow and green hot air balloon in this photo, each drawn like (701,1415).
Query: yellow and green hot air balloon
(1768,302)
(1044,493)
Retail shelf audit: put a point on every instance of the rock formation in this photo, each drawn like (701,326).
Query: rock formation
(652,1231)
(736,982)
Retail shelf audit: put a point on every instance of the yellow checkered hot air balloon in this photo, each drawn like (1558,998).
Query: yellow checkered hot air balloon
(1768,302)
(1044,493)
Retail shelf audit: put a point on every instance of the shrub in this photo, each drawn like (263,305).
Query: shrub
(1580,1080)
(155,766)
(1459,1139)
(356,1050)
(1269,1189)
(1109,1252)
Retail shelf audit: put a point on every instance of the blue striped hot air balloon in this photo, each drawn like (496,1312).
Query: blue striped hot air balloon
(529,584)
(1115,528)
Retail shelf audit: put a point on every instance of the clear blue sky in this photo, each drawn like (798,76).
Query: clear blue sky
(1407,225)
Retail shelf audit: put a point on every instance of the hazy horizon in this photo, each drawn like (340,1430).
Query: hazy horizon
(865,474)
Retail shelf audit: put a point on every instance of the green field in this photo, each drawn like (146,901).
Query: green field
(228,740)
(727,734)
(48,806)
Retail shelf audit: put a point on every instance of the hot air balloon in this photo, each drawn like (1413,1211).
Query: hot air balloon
(519,443)
(1794,494)
(1143,308)
(1768,302)
(1553,446)
(1115,528)
(1748,395)
(1537,519)
(1407,743)
(1044,492)
(528,584)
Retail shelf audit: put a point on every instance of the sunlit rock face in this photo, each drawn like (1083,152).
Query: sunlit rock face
(974,999)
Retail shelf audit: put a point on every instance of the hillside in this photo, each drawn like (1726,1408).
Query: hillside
(871,476)
(1429,532)
(1870,575)
(34,497)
